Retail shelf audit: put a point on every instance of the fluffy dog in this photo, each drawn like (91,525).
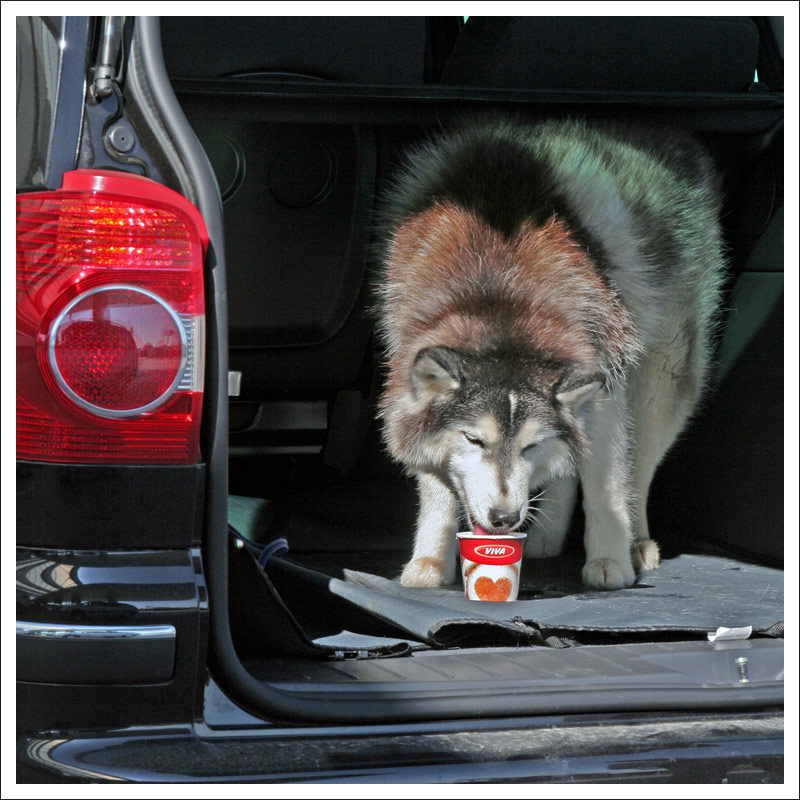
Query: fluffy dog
(547,304)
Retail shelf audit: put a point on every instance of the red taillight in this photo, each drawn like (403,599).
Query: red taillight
(109,322)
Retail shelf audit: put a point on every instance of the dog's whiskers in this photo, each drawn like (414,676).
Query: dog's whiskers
(535,509)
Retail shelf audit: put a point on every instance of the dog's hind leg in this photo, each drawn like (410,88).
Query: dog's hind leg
(665,390)
(433,560)
(551,521)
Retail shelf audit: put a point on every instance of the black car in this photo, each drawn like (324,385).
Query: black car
(208,529)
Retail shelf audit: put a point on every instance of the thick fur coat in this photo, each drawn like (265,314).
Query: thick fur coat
(547,304)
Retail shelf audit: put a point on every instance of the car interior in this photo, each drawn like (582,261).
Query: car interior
(305,120)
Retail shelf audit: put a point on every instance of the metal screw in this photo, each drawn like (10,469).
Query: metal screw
(741,666)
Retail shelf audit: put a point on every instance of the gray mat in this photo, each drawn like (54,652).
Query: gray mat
(688,594)
(693,594)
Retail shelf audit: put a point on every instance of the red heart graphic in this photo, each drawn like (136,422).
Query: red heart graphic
(488,589)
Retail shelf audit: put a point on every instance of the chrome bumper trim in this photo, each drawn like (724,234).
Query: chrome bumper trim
(93,632)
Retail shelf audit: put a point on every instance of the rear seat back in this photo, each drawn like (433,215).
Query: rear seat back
(654,54)
(371,50)
(298,203)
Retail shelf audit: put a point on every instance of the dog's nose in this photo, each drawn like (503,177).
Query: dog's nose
(503,519)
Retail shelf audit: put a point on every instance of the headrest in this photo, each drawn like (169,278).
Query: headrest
(371,50)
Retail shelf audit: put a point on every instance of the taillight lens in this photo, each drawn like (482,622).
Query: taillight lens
(110,312)
(118,351)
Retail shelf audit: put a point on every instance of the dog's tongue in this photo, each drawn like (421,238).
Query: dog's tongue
(481,531)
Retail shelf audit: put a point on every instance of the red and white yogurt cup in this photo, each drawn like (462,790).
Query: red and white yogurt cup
(490,565)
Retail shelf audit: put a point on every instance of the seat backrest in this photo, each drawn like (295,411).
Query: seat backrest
(680,54)
(298,198)
(373,50)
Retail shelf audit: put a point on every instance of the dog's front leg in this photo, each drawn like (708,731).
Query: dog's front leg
(605,478)
(433,561)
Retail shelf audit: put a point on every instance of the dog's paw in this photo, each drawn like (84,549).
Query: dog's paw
(608,573)
(540,544)
(646,554)
(427,572)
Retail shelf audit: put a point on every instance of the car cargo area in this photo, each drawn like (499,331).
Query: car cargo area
(326,613)
(328,606)
(322,521)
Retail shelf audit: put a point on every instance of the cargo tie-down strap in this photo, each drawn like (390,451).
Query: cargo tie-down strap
(280,606)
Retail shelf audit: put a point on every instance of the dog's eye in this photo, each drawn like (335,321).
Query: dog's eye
(529,448)
(473,440)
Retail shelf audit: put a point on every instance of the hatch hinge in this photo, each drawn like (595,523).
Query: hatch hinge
(109,137)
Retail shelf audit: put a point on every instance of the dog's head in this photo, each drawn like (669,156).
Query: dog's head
(493,425)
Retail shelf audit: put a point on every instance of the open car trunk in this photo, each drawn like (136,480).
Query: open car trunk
(316,608)
(315,625)
(318,615)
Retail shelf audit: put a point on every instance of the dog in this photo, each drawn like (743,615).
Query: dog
(547,301)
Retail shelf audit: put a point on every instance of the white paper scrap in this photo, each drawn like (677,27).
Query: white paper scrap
(729,634)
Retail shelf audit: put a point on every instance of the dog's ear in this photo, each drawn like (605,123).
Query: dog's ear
(435,374)
(574,390)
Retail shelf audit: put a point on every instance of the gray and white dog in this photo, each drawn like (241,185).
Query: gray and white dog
(547,303)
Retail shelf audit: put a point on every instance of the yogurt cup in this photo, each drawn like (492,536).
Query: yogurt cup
(490,565)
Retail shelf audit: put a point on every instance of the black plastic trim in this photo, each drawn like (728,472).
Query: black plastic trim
(84,506)
(630,748)
(432,105)
(205,195)
(88,654)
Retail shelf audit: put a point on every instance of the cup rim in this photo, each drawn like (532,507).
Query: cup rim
(491,537)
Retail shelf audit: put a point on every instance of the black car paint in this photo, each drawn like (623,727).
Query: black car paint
(48,140)
(110,683)
(70,515)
